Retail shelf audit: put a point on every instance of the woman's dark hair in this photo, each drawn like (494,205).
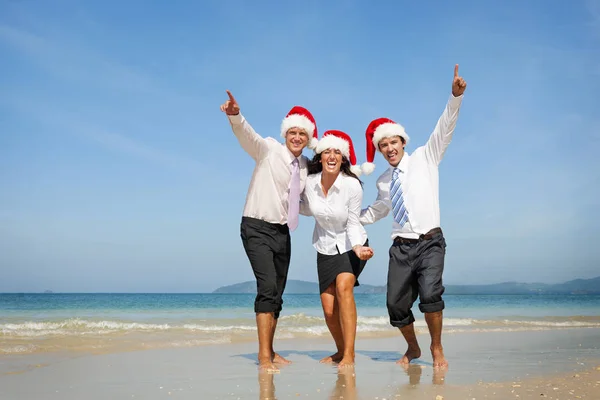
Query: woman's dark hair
(315,166)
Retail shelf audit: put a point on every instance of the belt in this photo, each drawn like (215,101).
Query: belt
(427,236)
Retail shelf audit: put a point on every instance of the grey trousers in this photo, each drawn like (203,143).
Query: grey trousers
(415,269)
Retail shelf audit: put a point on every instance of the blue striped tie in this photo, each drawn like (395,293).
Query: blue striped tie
(398,208)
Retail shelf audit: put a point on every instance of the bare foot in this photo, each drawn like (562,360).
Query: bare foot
(265,365)
(278,359)
(439,361)
(411,354)
(347,361)
(334,358)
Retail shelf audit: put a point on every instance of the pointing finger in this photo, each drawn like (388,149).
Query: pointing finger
(455,70)
(231,96)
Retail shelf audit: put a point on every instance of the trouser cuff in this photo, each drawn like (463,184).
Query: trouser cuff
(432,307)
(402,323)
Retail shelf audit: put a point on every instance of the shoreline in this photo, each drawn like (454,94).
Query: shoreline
(101,336)
(481,365)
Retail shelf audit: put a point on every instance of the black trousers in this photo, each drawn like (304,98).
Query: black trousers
(415,269)
(268,247)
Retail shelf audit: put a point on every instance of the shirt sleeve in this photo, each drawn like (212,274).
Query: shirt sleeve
(254,144)
(353,225)
(304,206)
(379,209)
(442,133)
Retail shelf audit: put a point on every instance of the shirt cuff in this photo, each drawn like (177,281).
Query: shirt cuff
(455,101)
(236,119)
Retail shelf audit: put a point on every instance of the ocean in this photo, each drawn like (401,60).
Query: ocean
(33,323)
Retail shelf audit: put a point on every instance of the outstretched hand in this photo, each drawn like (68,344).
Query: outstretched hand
(363,252)
(458,84)
(230,107)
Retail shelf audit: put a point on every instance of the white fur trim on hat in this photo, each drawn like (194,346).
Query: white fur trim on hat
(388,129)
(368,168)
(333,142)
(356,170)
(297,121)
(312,143)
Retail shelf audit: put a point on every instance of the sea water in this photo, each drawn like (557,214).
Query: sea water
(104,321)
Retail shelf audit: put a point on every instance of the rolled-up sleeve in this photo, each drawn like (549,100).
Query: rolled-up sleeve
(379,209)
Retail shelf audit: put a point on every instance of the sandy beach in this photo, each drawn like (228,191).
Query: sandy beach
(562,363)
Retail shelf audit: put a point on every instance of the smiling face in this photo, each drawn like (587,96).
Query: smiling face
(296,140)
(331,160)
(392,149)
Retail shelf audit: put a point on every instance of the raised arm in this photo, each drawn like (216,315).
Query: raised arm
(379,209)
(255,145)
(442,133)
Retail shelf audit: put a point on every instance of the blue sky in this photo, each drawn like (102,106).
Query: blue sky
(118,172)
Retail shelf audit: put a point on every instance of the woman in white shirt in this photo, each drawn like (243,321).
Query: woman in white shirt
(333,196)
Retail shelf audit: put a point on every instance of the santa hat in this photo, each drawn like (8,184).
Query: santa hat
(341,141)
(300,117)
(378,129)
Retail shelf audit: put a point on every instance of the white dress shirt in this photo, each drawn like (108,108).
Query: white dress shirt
(267,197)
(420,181)
(337,226)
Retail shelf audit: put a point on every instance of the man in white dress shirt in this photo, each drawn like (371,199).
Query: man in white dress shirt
(271,212)
(410,189)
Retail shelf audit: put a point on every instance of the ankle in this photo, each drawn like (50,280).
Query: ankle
(413,346)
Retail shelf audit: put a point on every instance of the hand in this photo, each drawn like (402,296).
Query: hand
(458,84)
(230,107)
(363,252)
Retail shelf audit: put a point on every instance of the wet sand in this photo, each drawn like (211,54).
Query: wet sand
(494,365)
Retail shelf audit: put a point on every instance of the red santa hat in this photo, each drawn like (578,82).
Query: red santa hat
(378,129)
(300,117)
(341,141)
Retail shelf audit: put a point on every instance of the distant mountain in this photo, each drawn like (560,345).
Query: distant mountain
(577,286)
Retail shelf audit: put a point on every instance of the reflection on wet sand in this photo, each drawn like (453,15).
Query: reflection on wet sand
(266,386)
(414,372)
(345,385)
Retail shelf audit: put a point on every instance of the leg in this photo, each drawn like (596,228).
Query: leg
(401,294)
(434,323)
(282,265)
(413,351)
(332,319)
(429,270)
(345,297)
(258,246)
(264,324)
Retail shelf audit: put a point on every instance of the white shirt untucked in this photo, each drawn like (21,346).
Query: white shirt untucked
(420,181)
(267,197)
(337,226)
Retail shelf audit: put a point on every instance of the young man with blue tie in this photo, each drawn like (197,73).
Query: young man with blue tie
(410,189)
(271,212)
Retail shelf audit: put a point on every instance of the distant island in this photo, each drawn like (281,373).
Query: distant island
(577,286)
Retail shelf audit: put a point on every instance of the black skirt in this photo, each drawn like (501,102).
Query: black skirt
(330,266)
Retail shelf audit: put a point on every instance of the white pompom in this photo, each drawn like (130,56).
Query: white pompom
(355,169)
(368,168)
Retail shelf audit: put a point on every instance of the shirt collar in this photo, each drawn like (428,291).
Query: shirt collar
(336,184)
(290,155)
(402,165)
